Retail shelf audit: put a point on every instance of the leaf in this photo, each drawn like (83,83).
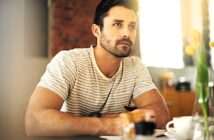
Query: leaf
(202,75)
(202,67)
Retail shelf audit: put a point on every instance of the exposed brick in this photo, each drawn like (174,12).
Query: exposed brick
(61,12)
(71,24)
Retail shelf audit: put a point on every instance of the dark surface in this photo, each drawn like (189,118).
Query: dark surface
(66,138)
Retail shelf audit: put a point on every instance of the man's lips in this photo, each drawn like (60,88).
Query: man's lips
(125,43)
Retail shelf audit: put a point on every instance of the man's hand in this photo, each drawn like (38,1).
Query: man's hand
(143,115)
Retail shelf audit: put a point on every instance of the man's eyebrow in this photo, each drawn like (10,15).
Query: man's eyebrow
(119,20)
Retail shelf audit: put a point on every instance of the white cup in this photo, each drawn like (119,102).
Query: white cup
(182,127)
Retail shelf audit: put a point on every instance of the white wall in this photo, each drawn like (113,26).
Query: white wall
(20,71)
(191,15)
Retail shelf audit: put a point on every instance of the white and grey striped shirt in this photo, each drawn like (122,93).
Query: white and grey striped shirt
(74,76)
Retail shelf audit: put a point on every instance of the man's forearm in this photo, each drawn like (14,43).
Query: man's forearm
(51,122)
(153,100)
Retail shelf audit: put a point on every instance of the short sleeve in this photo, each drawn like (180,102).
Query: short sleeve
(59,75)
(143,80)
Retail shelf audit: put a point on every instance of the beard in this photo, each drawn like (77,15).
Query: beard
(119,48)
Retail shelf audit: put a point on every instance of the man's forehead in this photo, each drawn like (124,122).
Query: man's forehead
(121,13)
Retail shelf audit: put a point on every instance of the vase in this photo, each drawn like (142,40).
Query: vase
(203,117)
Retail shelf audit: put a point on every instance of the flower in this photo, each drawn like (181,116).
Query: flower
(196,49)
(211,44)
(190,50)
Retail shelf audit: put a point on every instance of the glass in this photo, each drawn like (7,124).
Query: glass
(199,131)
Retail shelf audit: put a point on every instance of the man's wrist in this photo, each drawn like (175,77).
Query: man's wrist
(109,126)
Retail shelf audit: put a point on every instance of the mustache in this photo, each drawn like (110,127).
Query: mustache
(124,41)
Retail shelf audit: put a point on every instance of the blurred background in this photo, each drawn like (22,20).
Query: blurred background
(33,31)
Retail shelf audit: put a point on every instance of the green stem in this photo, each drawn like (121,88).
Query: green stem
(205,114)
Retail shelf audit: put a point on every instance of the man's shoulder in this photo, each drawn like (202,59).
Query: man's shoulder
(75,53)
(79,51)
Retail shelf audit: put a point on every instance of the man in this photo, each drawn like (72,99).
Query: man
(83,91)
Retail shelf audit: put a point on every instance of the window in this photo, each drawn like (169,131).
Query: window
(161,33)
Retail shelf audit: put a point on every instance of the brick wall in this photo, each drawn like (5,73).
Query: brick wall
(70,28)
(70,22)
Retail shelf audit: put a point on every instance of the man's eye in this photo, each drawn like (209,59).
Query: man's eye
(117,24)
(132,27)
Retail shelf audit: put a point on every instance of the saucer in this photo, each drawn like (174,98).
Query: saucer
(175,136)
(159,132)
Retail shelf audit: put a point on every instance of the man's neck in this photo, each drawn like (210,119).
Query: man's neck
(107,63)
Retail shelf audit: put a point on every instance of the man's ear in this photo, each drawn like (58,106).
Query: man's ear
(95,30)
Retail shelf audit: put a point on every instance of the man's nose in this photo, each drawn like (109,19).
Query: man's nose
(126,32)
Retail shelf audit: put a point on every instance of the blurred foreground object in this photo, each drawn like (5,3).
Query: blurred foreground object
(137,123)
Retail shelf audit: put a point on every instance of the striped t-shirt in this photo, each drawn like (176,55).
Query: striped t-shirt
(75,77)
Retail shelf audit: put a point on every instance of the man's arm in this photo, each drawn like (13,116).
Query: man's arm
(44,118)
(153,100)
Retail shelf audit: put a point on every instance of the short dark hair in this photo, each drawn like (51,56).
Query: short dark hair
(105,5)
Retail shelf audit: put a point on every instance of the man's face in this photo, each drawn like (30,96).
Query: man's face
(119,31)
